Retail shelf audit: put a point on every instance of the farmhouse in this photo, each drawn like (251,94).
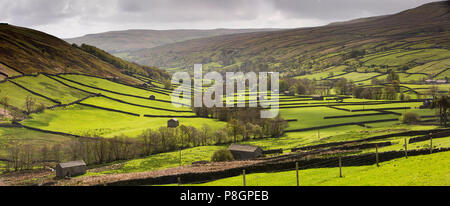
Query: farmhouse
(69,169)
(243,152)
(173,123)
(152,97)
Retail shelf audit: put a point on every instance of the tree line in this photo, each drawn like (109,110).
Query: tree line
(98,150)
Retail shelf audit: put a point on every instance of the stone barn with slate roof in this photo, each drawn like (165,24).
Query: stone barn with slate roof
(152,97)
(70,169)
(173,123)
(244,152)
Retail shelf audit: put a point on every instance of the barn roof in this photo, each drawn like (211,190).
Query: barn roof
(244,148)
(173,119)
(72,164)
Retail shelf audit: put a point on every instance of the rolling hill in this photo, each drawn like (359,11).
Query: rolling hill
(121,43)
(424,31)
(27,51)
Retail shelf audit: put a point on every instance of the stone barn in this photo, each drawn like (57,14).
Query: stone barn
(244,152)
(70,169)
(152,97)
(173,123)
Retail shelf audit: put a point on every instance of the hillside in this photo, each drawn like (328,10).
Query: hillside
(424,31)
(120,43)
(27,51)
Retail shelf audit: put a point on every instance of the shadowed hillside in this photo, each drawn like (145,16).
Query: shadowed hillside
(423,29)
(120,43)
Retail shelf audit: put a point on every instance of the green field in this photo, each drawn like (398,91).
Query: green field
(17,95)
(92,122)
(25,136)
(95,122)
(51,88)
(424,170)
(164,160)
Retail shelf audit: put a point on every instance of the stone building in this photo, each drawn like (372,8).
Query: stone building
(70,169)
(243,152)
(173,123)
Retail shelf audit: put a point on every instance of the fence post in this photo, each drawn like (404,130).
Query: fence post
(406,148)
(180,156)
(340,166)
(243,175)
(179,181)
(376,150)
(296,168)
(431,144)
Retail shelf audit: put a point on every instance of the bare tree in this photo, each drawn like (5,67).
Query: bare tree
(29,104)
(5,103)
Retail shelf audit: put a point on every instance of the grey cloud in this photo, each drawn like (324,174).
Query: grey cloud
(32,13)
(104,15)
(343,9)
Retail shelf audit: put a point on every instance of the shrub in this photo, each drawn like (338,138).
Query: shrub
(410,117)
(222,155)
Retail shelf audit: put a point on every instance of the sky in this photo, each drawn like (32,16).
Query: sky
(73,18)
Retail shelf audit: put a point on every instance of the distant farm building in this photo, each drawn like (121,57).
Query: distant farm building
(426,104)
(173,123)
(317,97)
(437,81)
(244,152)
(70,169)
(288,93)
(152,97)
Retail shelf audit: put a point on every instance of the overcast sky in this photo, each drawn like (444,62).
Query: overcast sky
(72,18)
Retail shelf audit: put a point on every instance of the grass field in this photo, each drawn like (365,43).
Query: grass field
(424,170)
(96,122)
(25,136)
(51,88)
(88,121)
(164,160)
(17,95)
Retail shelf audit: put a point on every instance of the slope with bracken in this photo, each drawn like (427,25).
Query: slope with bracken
(27,51)
(422,29)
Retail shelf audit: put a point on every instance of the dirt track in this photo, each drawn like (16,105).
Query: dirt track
(213,166)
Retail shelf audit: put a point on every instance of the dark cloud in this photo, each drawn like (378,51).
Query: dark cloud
(68,18)
(343,9)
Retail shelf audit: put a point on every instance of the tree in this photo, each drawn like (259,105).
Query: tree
(441,103)
(301,88)
(5,103)
(29,104)
(167,84)
(392,76)
(283,85)
(389,93)
(410,118)
(234,127)
(222,155)
(341,86)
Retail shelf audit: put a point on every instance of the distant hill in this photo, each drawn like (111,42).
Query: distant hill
(28,51)
(423,29)
(120,43)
